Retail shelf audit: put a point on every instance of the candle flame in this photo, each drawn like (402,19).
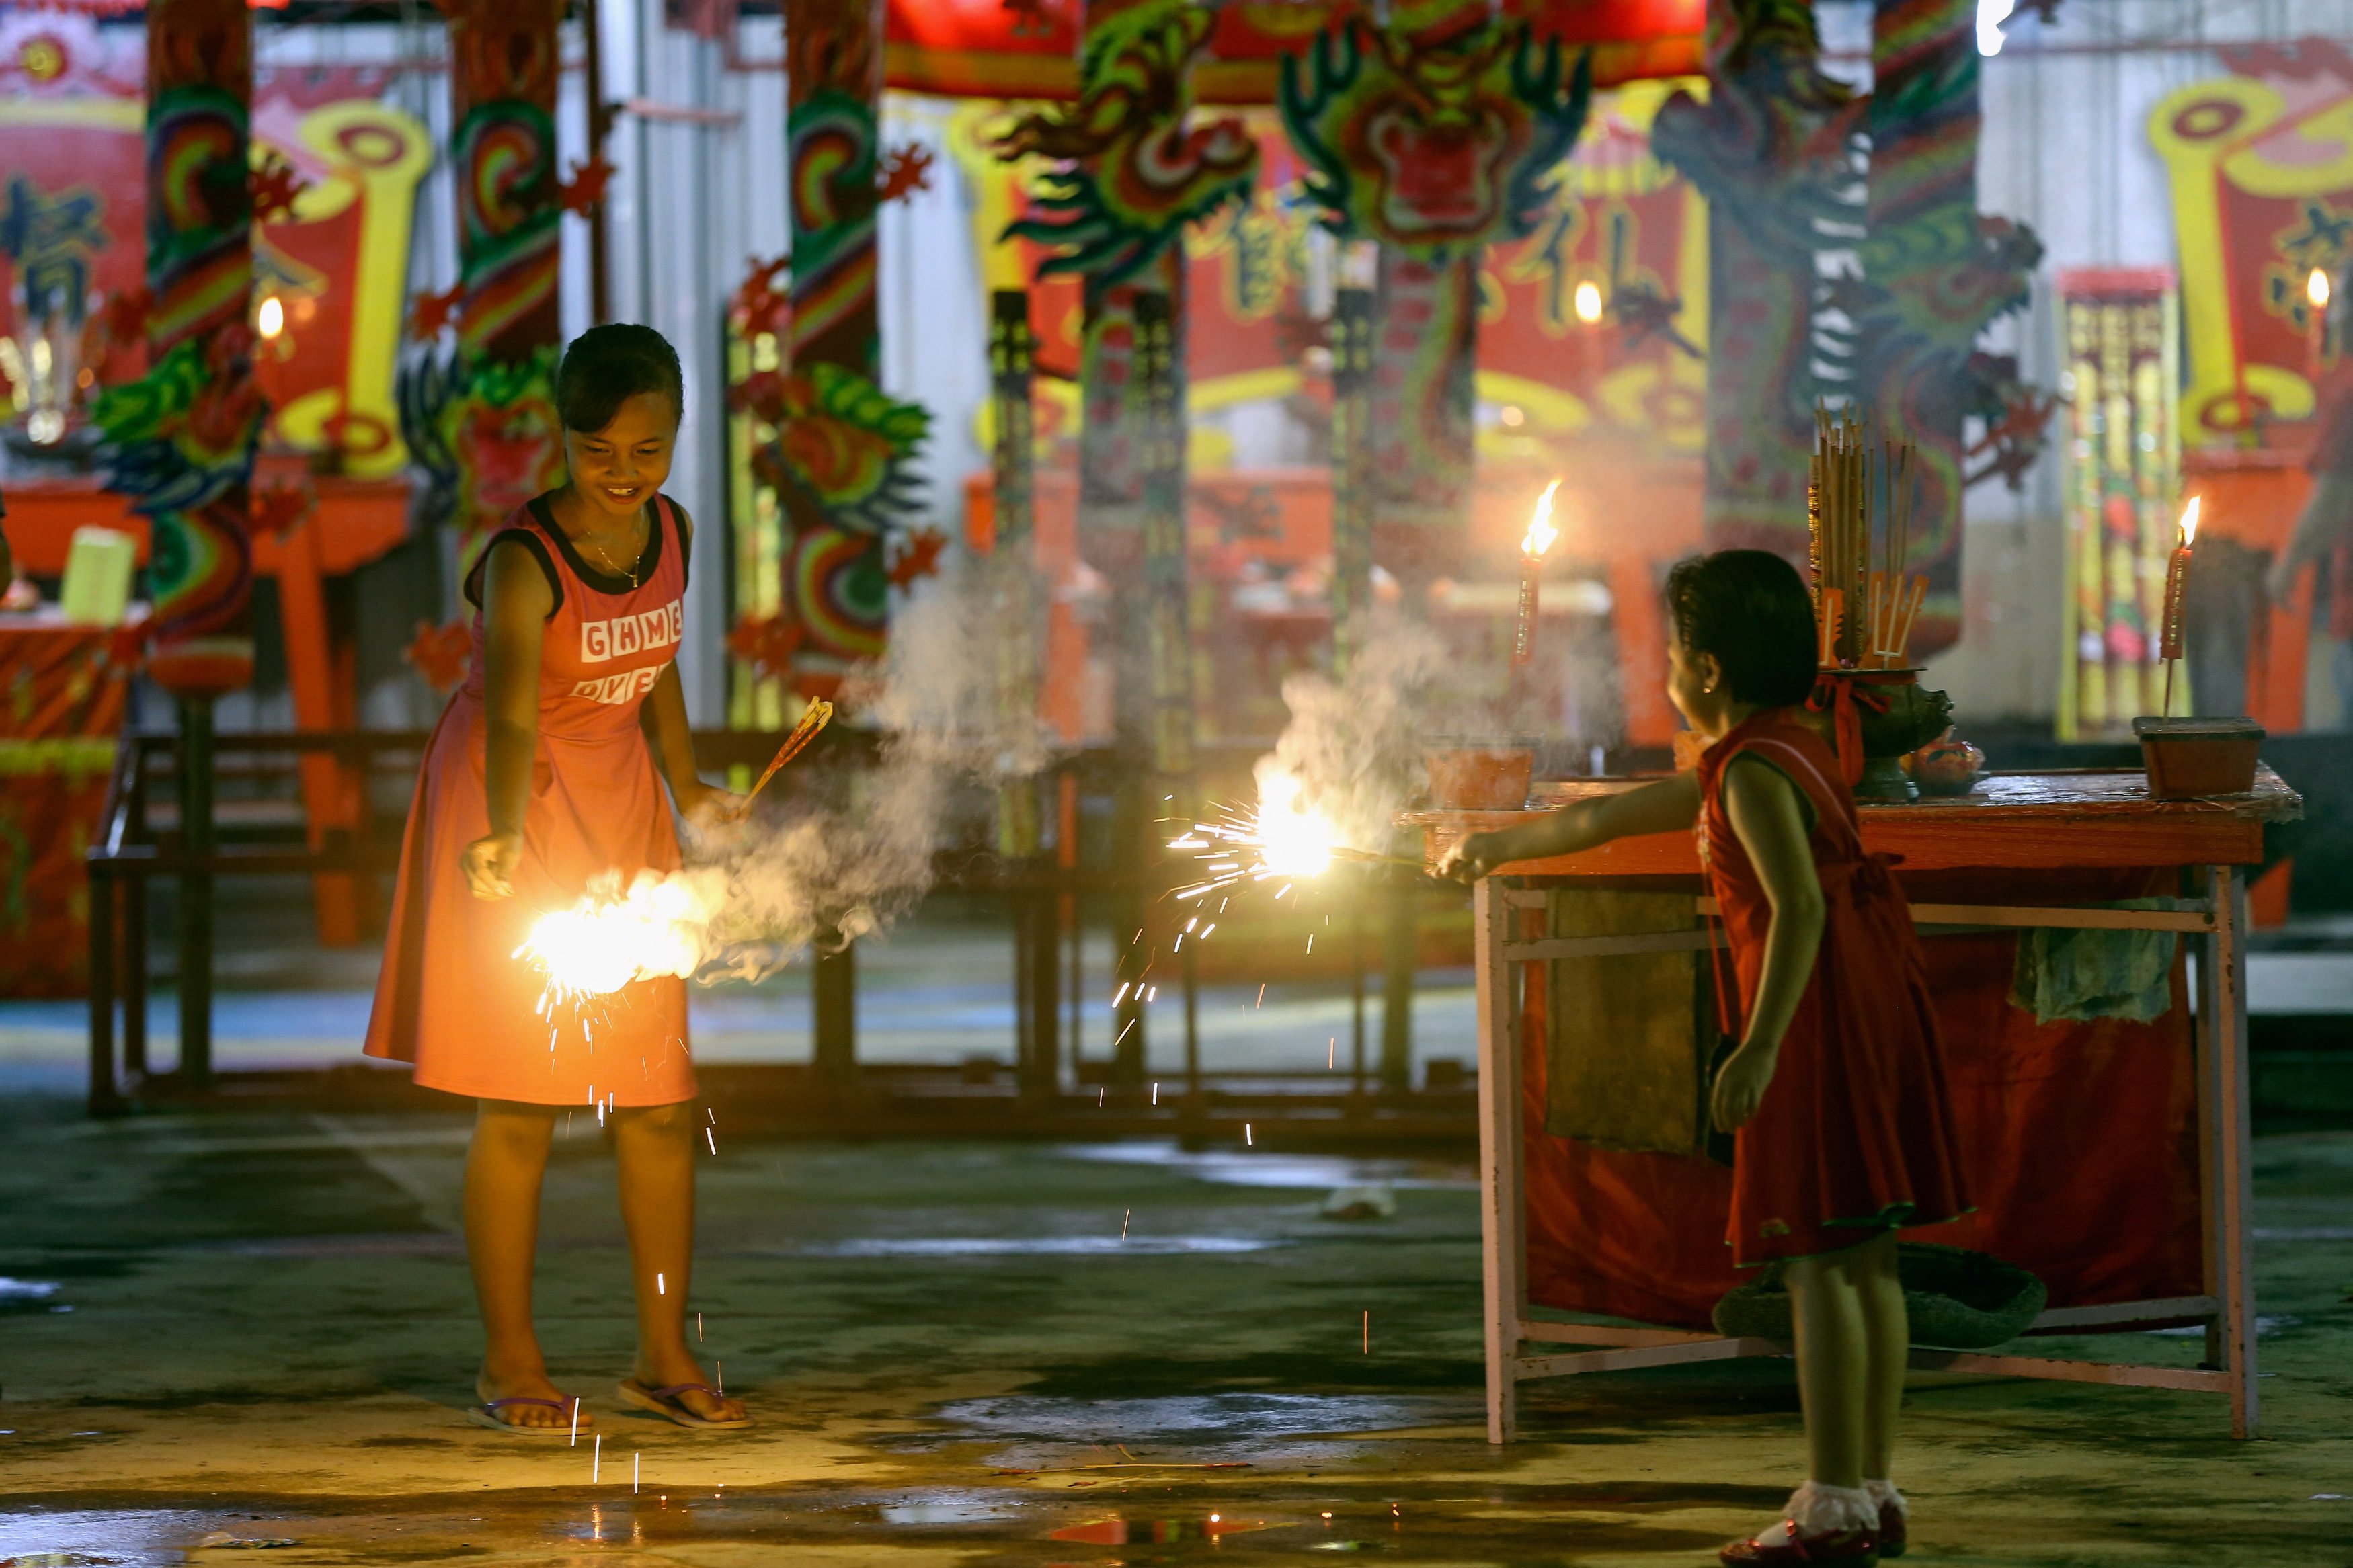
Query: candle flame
(2190,523)
(1541,533)
(1588,302)
(2317,289)
(609,938)
(272,318)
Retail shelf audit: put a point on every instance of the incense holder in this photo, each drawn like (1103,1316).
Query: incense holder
(1480,778)
(2187,758)
(1879,716)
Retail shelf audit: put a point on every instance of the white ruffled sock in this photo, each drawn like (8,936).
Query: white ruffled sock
(1815,1510)
(1883,1492)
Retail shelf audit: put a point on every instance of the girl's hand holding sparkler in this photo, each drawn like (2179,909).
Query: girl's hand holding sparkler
(490,864)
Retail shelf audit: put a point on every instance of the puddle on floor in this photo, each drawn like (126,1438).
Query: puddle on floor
(1034,1245)
(1194,1417)
(1158,1531)
(1241,1169)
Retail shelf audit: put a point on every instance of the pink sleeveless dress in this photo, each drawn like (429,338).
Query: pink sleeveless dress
(451,997)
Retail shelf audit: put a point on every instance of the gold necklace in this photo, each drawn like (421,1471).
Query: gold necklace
(606,555)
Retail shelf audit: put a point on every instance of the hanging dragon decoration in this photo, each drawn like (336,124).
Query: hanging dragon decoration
(1433,141)
(1133,169)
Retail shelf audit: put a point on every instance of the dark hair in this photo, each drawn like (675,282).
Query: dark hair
(604,366)
(1751,610)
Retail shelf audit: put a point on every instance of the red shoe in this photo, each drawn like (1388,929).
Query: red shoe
(1892,1540)
(1857,1547)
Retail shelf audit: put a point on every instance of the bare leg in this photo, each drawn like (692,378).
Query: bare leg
(504,1167)
(1887,1330)
(1833,1365)
(656,1147)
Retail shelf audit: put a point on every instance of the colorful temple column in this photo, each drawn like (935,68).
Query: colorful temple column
(1767,147)
(832,126)
(1012,360)
(844,447)
(1352,473)
(1936,273)
(1132,174)
(180,441)
(498,425)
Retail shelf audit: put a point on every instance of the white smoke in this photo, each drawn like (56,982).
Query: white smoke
(848,858)
(1352,751)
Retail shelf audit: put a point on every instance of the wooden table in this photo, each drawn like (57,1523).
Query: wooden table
(2040,821)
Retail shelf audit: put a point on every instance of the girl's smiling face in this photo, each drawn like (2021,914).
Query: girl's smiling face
(616,470)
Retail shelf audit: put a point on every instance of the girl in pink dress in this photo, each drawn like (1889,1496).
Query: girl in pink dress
(547,770)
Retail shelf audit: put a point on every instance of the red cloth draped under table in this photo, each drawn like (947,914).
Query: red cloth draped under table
(2078,1140)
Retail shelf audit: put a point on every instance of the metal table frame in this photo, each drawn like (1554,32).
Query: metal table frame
(2217,923)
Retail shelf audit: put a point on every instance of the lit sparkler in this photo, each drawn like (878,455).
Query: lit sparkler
(1284,839)
(609,938)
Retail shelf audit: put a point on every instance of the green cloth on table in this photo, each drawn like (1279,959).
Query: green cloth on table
(2070,976)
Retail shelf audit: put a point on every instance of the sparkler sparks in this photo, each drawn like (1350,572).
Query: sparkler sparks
(610,938)
(1285,839)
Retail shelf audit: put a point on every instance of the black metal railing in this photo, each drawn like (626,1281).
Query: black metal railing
(1043,896)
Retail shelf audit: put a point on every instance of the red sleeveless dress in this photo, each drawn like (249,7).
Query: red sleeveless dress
(451,997)
(1855,1134)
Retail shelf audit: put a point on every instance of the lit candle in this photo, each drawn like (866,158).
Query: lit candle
(1533,545)
(2176,582)
(2316,291)
(2177,585)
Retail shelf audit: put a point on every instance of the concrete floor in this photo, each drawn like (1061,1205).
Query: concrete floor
(257,1327)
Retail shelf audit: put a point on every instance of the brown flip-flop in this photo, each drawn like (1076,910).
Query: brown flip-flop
(666,1403)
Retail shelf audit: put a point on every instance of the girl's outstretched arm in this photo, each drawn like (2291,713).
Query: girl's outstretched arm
(1663,806)
(516,603)
(1769,818)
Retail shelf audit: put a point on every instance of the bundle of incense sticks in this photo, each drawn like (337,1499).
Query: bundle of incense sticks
(815,717)
(1863,613)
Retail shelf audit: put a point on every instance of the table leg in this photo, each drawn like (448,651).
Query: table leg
(133,969)
(105,1097)
(2229,1185)
(1500,1243)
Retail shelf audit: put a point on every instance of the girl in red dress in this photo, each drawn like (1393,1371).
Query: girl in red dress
(545,771)
(1836,1087)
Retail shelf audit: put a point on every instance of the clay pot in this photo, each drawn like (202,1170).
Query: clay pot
(1480,778)
(2188,758)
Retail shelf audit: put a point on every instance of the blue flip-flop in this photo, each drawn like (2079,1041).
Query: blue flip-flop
(487,1414)
(666,1403)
